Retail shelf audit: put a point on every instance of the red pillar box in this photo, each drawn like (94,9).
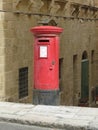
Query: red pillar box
(46,65)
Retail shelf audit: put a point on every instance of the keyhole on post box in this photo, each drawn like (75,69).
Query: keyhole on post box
(51,67)
(53,62)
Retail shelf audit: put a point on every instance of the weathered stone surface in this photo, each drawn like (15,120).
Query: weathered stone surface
(59,117)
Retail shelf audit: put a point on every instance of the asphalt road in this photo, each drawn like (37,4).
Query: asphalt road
(13,126)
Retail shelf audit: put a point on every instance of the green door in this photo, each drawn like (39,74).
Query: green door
(85,79)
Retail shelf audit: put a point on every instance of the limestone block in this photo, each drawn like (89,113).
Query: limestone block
(2,34)
(2,78)
(1,5)
(2,51)
(27,5)
(2,41)
(2,98)
(2,16)
(36,6)
(11,89)
(54,7)
(2,68)
(7,6)
(2,85)
(8,16)
(9,33)
(2,60)
(9,51)
(9,63)
(10,24)
(10,76)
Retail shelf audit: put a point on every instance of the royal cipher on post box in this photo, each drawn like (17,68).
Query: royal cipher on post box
(46,65)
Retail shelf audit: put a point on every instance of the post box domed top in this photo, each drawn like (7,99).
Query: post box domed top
(46,30)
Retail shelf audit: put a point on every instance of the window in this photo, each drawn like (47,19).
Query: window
(23,82)
(84,55)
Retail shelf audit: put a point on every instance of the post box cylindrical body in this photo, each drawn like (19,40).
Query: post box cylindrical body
(46,65)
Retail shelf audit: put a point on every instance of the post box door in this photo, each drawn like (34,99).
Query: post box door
(46,72)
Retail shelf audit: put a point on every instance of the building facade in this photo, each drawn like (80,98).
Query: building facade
(78,48)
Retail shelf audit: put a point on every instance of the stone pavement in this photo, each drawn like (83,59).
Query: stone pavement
(54,117)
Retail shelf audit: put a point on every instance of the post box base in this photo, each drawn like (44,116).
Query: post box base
(46,97)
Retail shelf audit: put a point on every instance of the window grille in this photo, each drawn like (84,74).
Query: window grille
(23,82)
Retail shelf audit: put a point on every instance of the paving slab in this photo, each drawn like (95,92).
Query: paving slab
(57,117)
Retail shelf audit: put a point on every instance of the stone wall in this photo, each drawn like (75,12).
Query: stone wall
(77,17)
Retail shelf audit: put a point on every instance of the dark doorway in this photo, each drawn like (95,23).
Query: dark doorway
(84,79)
